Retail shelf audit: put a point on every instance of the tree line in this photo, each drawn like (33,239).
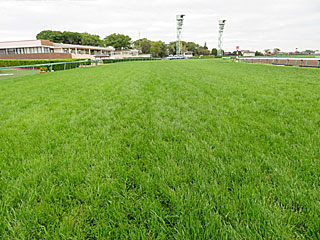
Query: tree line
(70,38)
(121,41)
(161,49)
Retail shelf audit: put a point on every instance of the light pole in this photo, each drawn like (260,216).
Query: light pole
(221,28)
(179,29)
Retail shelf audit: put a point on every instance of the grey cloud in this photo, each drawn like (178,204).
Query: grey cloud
(251,24)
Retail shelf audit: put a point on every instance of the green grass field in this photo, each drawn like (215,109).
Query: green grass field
(194,149)
(17,73)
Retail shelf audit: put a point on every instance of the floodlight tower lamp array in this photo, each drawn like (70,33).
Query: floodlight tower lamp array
(179,29)
(221,28)
(180,18)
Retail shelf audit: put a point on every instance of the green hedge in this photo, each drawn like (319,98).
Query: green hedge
(22,62)
(63,66)
(128,60)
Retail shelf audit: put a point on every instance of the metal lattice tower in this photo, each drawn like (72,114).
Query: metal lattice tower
(221,28)
(179,29)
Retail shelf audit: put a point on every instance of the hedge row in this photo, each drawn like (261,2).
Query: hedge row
(62,66)
(128,60)
(205,57)
(22,62)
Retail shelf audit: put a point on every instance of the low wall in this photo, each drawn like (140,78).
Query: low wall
(301,62)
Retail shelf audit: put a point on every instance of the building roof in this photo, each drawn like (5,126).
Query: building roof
(247,51)
(21,44)
(41,43)
(63,45)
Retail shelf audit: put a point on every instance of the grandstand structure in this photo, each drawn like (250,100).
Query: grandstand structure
(44,49)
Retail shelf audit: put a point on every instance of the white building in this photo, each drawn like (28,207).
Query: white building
(248,53)
(130,53)
(79,51)
(44,49)
(188,54)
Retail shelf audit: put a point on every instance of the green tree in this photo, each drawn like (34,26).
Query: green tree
(214,51)
(158,49)
(205,46)
(193,47)
(172,48)
(118,41)
(53,36)
(203,50)
(45,35)
(144,45)
(71,38)
(90,40)
(184,48)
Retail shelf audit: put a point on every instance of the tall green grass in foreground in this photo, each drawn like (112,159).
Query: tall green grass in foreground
(197,149)
(4,74)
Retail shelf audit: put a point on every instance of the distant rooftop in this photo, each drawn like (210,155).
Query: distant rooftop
(47,43)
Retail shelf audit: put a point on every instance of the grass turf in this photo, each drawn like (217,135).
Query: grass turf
(196,149)
(17,73)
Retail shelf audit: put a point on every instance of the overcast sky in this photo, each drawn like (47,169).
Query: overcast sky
(251,24)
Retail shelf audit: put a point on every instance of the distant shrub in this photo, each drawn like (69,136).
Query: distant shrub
(105,61)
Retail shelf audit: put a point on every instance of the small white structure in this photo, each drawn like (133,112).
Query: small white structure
(188,54)
(248,53)
(79,51)
(130,53)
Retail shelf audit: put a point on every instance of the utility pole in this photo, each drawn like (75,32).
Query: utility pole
(139,42)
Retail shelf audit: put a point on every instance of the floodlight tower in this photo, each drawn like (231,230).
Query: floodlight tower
(221,28)
(179,29)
